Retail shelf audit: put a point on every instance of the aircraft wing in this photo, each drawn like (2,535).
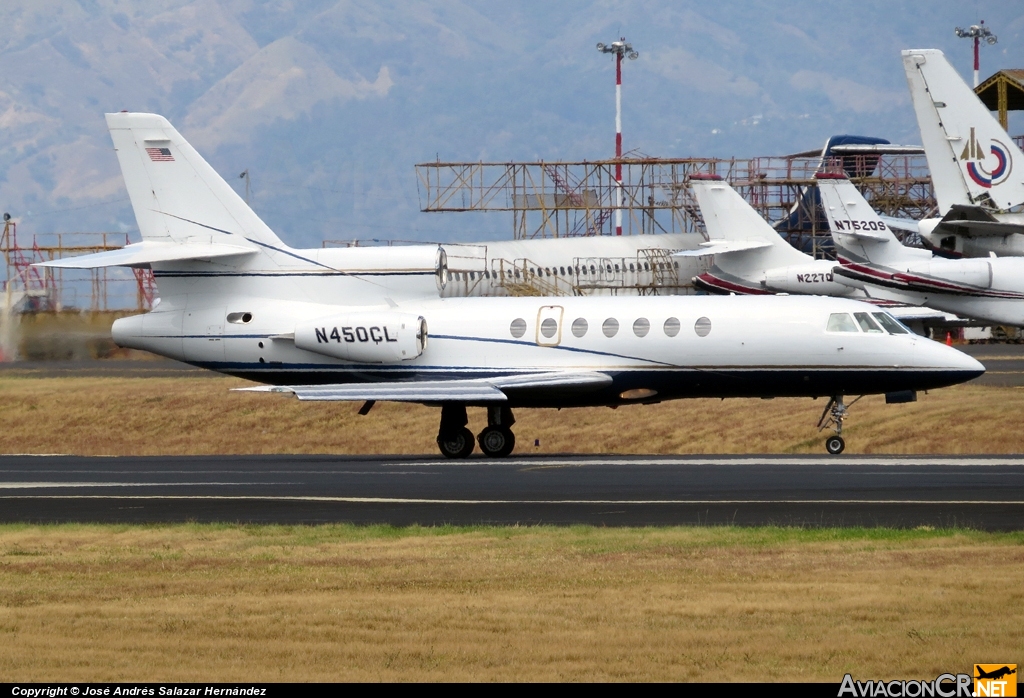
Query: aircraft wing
(722,247)
(896,296)
(146,252)
(456,390)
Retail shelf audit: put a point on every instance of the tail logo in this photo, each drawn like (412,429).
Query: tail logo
(974,157)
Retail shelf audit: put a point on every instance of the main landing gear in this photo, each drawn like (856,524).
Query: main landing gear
(833,416)
(456,441)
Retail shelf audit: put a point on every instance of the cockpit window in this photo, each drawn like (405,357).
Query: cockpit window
(867,323)
(891,324)
(841,322)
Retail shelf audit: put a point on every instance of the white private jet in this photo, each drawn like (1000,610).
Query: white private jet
(750,257)
(873,260)
(316,324)
(972,161)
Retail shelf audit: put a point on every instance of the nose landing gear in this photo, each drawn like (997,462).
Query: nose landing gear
(832,417)
(456,441)
(835,445)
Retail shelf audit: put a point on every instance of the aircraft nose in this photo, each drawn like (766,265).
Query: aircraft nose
(964,366)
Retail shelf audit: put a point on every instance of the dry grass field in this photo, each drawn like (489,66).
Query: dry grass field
(200,415)
(266,603)
(224,603)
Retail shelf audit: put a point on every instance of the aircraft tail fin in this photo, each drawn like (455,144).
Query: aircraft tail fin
(970,155)
(858,232)
(736,231)
(177,197)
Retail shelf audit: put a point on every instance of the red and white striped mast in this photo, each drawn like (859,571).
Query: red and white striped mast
(977,32)
(620,48)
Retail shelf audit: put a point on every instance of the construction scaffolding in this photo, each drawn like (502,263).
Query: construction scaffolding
(546,199)
(41,289)
(565,199)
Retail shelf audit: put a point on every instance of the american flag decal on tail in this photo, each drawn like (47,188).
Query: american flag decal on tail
(160,154)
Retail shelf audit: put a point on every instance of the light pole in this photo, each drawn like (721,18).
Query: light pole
(977,32)
(620,48)
(245,176)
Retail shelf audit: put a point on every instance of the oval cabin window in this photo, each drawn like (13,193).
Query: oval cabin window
(518,327)
(702,327)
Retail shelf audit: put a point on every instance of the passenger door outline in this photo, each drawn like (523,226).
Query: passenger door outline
(550,312)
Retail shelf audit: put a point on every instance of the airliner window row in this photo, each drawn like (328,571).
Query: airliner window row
(584,270)
(610,327)
(879,323)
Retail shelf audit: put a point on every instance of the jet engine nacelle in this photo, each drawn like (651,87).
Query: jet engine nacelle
(814,278)
(940,240)
(367,337)
(962,272)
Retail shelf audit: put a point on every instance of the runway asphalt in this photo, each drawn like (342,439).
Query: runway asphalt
(976,492)
(1004,363)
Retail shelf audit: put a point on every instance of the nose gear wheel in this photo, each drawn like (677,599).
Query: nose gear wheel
(832,417)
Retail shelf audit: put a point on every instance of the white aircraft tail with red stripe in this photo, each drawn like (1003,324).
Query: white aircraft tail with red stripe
(858,232)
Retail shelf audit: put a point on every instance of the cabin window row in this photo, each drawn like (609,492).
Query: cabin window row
(610,327)
(582,270)
(878,323)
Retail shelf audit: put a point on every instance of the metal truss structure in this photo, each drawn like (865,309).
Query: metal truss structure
(564,199)
(35,289)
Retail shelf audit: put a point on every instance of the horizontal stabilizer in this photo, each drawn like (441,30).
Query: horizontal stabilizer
(472,390)
(148,252)
(964,212)
(907,225)
(875,149)
(910,313)
(981,228)
(868,235)
(723,247)
(977,221)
